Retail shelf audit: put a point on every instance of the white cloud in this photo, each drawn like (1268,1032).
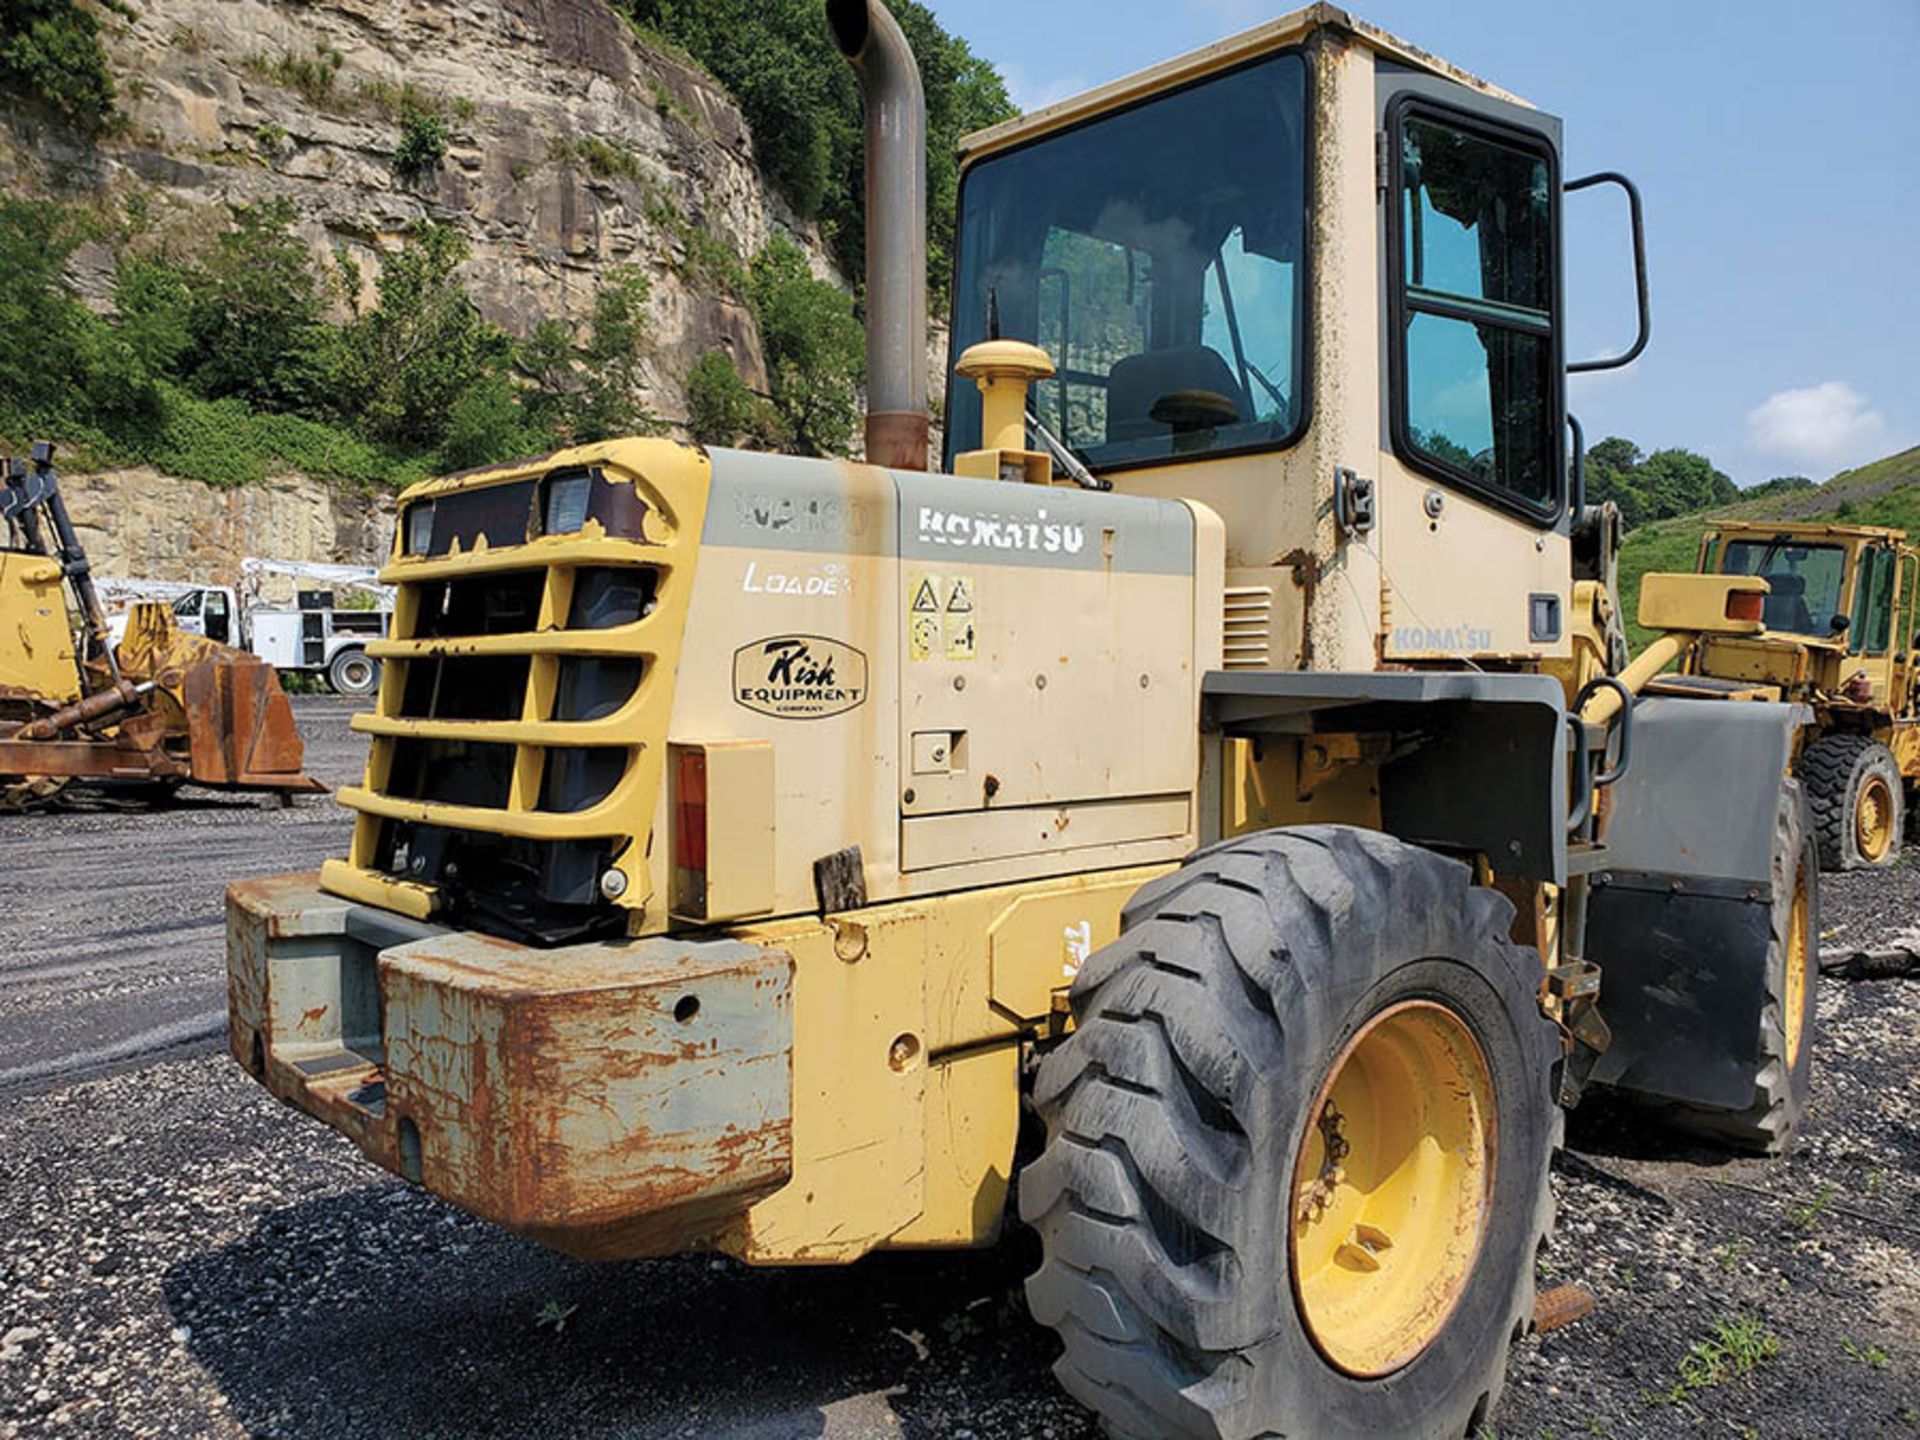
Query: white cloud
(1035,92)
(1830,424)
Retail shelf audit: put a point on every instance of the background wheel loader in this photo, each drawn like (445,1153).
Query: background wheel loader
(1217,792)
(1840,639)
(157,710)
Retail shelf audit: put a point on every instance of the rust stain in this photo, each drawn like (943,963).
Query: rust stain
(1306,576)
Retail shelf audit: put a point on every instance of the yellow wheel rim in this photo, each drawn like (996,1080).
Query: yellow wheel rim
(1391,1187)
(1796,967)
(1873,820)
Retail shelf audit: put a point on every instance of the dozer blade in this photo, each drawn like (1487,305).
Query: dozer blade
(240,728)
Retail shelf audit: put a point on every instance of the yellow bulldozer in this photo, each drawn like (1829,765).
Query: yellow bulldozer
(154,712)
(1840,639)
(1209,813)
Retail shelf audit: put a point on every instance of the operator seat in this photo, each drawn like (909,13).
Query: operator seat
(1139,382)
(1786,607)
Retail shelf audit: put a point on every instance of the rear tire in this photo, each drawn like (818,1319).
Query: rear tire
(1785,1072)
(1858,799)
(353,672)
(1167,1201)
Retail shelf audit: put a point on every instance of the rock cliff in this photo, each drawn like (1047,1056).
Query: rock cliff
(572,145)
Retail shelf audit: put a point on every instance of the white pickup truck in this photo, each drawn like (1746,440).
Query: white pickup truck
(314,636)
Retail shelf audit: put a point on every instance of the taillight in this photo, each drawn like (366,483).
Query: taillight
(690,810)
(1746,605)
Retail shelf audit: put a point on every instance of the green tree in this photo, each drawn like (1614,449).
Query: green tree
(45,358)
(423,143)
(815,349)
(590,391)
(609,399)
(255,313)
(721,410)
(1679,482)
(778,60)
(50,50)
(400,368)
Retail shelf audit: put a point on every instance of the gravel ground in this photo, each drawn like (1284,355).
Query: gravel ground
(180,1256)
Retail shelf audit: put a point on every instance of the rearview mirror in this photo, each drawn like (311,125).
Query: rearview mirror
(1632,352)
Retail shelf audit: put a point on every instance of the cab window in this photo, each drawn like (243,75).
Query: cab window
(1872,624)
(1477,393)
(1158,255)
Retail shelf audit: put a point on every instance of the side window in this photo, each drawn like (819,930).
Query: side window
(1872,625)
(1477,393)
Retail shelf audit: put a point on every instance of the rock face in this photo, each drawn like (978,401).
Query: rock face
(573,146)
(140,524)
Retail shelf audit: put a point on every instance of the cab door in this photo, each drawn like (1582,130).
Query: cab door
(1474,525)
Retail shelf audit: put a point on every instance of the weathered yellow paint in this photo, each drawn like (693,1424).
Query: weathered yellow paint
(885,999)
(1390,1187)
(737,878)
(1697,603)
(36,637)
(1262,788)
(674,480)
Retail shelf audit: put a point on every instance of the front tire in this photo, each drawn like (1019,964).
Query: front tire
(1858,797)
(1248,1217)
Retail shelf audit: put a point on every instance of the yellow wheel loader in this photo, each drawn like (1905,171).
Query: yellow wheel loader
(1224,760)
(1840,639)
(158,710)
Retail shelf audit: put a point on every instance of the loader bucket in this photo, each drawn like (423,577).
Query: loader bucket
(240,728)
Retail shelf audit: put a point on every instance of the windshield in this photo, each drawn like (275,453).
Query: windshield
(1156,255)
(1805,579)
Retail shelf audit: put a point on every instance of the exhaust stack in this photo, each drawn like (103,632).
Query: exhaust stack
(897,417)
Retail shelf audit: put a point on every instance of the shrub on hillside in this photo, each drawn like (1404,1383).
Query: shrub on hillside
(50,51)
(815,349)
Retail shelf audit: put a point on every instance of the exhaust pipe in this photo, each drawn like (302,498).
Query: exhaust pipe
(896,106)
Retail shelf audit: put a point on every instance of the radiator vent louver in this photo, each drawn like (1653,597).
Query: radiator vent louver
(1248,628)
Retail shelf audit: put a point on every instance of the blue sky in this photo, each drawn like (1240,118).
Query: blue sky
(1775,147)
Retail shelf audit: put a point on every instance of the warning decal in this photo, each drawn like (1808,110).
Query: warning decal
(940,617)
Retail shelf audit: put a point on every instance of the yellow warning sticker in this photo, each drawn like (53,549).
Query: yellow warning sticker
(941,618)
(956,620)
(923,617)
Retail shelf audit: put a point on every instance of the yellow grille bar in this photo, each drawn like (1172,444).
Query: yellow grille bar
(615,641)
(673,480)
(614,729)
(552,550)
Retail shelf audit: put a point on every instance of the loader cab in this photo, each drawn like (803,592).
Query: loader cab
(1310,278)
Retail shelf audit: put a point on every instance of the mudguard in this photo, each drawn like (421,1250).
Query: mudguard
(1679,921)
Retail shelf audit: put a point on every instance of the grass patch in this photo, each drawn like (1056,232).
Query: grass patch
(603,159)
(313,74)
(1869,1355)
(1806,1215)
(1738,1347)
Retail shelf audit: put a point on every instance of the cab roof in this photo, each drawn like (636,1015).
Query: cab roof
(1288,29)
(1807,530)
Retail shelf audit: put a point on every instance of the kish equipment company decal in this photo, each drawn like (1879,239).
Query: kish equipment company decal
(799,677)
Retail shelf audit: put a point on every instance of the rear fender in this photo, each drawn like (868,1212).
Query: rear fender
(1680,920)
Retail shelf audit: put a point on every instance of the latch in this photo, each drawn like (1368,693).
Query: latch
(1352,502)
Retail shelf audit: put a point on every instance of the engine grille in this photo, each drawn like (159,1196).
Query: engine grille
(518,737)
